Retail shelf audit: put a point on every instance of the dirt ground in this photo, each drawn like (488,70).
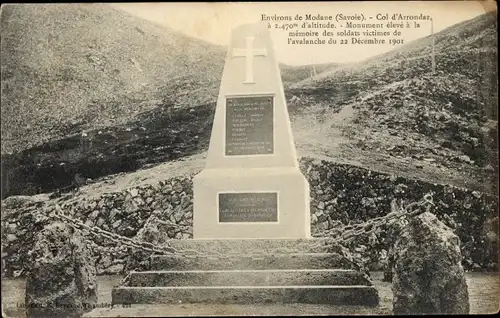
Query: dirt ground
(484,298)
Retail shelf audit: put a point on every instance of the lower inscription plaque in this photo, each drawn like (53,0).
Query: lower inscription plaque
(248,207)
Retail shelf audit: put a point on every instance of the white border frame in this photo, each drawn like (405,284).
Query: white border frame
(258,94)
(249,191)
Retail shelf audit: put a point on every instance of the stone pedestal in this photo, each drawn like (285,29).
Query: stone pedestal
(251,203)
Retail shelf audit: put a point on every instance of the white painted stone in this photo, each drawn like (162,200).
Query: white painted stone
(268,165)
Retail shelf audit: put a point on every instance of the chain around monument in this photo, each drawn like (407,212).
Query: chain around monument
(343,235)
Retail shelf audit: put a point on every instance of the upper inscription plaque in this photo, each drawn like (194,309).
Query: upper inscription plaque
(249,125)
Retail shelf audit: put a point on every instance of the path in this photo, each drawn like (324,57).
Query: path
(484,289)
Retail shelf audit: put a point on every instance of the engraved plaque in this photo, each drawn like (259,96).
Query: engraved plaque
(249,125)
(248,207)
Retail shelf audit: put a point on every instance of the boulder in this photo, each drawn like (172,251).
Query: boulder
(62,280)
(428,277)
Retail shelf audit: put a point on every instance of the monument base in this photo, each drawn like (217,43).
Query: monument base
(251,204)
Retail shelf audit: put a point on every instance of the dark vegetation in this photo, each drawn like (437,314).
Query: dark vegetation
(149,140)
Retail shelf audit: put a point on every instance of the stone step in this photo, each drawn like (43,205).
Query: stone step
(250,262)
(247,278)
(325,294)
(251,246)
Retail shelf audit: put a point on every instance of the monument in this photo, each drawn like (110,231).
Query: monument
(251,186)
(251,241)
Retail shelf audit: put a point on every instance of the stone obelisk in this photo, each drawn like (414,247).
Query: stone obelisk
(251,186)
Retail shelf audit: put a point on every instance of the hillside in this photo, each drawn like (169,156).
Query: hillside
(475,37)
(119,66)
(72,67)
(290,75)
(397,117)
(386,114)
(127,93)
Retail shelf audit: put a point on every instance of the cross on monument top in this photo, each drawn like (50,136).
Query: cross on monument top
(248,53)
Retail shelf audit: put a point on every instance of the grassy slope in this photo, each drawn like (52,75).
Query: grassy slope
(69,67)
